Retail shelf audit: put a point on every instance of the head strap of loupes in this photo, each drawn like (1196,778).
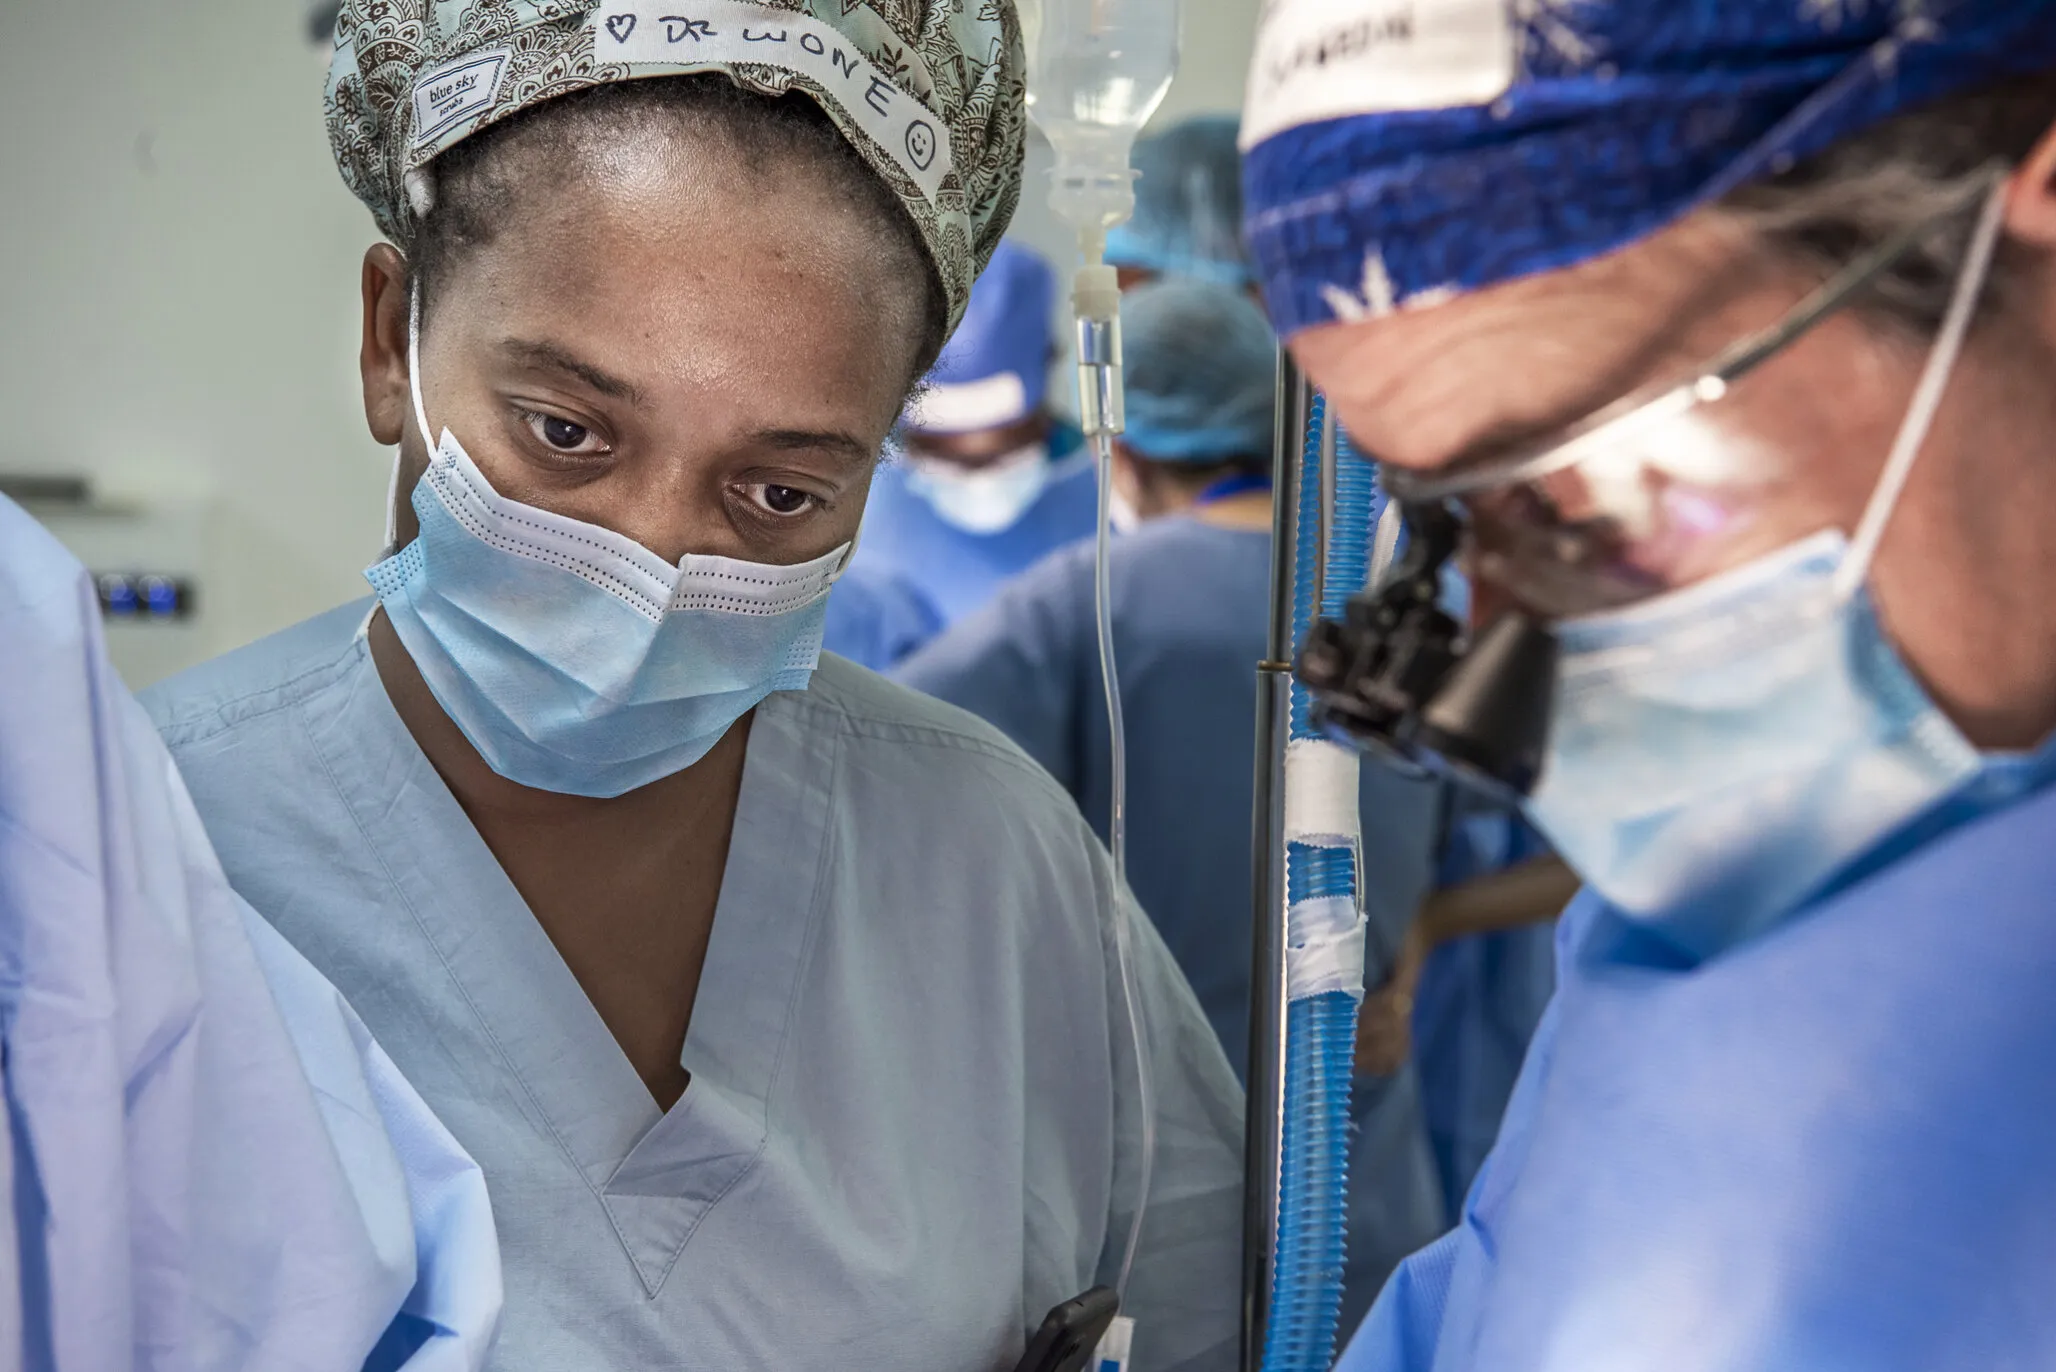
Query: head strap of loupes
(1400,155)
(929,92)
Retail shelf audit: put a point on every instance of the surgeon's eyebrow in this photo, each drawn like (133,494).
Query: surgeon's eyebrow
(834,442)
(551,357)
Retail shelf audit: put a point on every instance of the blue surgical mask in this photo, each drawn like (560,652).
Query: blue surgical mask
(574,659)
(1719,753)
(983,500)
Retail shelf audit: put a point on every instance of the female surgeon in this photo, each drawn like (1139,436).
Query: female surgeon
(781,1008)
(1743,388)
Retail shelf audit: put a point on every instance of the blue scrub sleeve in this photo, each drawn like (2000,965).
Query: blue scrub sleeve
(451,1313)
(1017,663)
(209,1161)
(1404,1330)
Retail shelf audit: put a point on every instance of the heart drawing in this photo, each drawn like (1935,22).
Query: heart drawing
(621,25)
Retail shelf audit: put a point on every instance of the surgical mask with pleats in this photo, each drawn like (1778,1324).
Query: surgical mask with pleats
(1718,754)
(983,500)
(574,659)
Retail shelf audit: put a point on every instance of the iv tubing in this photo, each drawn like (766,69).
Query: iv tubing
(1117,842)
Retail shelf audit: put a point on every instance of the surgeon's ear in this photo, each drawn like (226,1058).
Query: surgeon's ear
(2031,200)
(382,356)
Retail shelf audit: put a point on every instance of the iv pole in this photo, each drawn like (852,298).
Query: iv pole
(1264,1137)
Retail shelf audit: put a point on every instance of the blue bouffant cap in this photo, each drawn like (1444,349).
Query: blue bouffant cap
(1201,372)
(1399,155)
(1188,204)
(995,368)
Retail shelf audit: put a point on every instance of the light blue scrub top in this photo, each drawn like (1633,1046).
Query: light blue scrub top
(207,1165)
(910,1128)
(955,571)
(1191,602)
(1829,1145)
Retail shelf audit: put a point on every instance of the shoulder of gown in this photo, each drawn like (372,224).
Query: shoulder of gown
(868,708)
(268,677)
(257,679)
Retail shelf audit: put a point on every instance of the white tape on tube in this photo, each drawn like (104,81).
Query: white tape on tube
(1324,948)
(1115,1346)
(1321,794)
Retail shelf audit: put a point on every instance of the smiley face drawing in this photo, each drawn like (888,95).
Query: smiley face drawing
(921,143)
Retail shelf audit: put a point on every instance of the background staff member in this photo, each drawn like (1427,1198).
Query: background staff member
(989,481)
(1191,598)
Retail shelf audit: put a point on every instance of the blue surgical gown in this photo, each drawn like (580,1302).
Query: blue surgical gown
(875,618)
(1829,1145)
(208,1163)
(1191,602)
(956,571)
(1478,1001)
(911,1125)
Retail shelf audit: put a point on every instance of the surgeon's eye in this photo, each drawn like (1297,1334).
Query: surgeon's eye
(563,435)
(784,501)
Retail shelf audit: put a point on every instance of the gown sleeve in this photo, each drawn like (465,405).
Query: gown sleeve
(206,1154)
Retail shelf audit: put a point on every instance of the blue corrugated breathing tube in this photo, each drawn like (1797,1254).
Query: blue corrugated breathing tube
(1320,1033)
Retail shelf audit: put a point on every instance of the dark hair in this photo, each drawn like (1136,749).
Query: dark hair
(478,185)
(1864,190)
(1197,476)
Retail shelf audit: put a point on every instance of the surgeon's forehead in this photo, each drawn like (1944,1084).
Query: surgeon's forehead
(1520,361)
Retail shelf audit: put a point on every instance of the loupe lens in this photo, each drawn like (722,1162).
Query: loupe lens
(1567,545)
(1650,497)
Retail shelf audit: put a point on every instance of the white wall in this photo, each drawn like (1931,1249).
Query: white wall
(1213,58)
(178,313)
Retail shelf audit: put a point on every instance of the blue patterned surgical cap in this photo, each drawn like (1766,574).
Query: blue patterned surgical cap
(1401,151)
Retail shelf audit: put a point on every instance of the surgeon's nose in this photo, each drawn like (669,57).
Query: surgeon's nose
(671,512)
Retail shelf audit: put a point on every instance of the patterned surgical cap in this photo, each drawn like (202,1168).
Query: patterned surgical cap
(1398,154)
(928,91)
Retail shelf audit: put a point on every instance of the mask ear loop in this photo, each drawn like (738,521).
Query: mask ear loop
(849,555)
(392,505)
(414,362)
(1927,395)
